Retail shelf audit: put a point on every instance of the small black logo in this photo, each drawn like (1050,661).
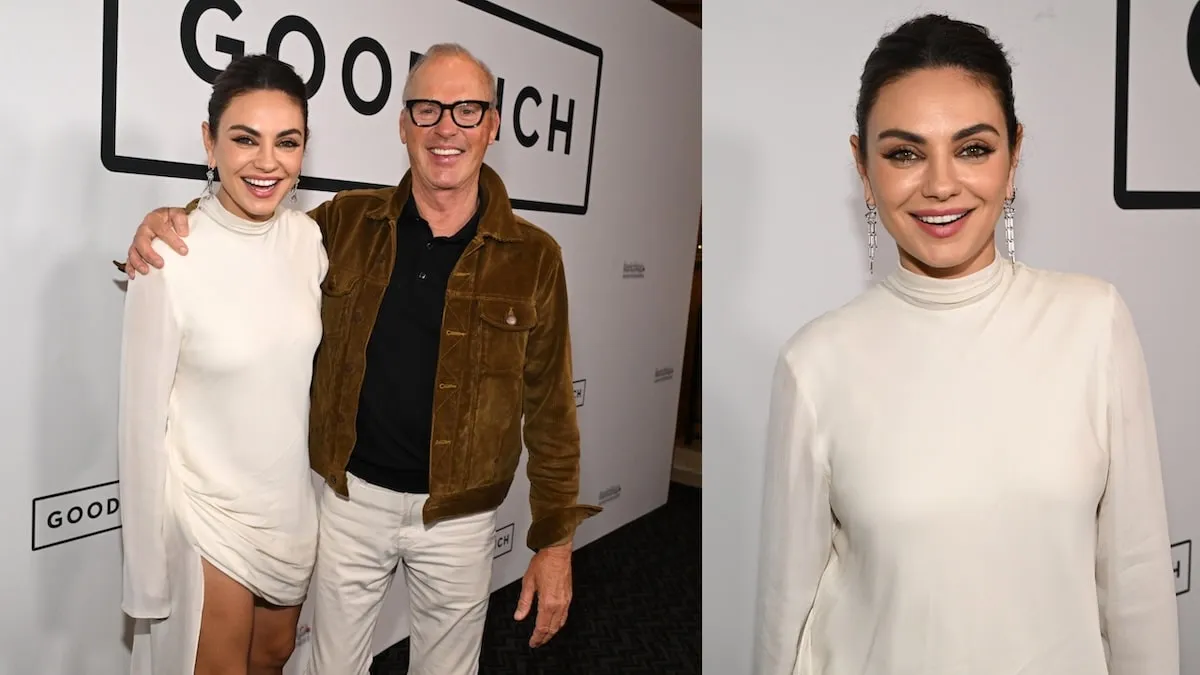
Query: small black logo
(504,540)
(580,392)
(75,514)
(1181,560)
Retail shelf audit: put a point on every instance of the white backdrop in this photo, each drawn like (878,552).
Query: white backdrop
(786,241)
(100,122)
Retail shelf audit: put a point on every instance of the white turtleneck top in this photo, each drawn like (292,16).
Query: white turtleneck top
(217,358)
(963,479)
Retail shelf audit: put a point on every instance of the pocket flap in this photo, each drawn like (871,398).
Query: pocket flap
(508,314)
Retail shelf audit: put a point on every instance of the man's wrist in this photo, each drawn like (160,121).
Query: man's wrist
(562,548)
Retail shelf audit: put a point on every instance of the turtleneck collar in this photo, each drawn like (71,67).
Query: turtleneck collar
(217,211)
(934,293)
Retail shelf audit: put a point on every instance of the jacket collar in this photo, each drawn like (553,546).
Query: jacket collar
(497,220)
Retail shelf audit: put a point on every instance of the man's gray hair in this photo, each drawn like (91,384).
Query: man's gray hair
(450,49)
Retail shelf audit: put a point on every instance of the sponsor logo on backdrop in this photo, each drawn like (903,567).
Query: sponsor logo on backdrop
(1158,56)
(504,540)
(76,514)
(161,58)
(608,494)
(663,374)
(1181,559)
(634,270)
(580,392)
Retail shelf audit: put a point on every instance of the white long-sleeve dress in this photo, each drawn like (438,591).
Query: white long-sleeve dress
(217,356)
(963,479)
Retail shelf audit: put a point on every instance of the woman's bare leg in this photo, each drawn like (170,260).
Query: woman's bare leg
(273,638)
(226,623)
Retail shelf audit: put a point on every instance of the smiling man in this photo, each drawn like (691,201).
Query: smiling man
(446,337)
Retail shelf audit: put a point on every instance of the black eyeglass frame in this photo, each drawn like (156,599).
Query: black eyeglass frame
(484,105)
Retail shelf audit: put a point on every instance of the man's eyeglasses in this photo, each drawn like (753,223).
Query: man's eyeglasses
(426,112)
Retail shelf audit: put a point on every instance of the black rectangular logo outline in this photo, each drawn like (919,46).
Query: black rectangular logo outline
(170,169)
(1188,587)
(1124,197)
(512,528)
(33,517)
(583,394)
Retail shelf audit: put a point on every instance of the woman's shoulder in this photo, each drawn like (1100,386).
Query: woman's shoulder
(836,331)
(299,221)
(198,231)
(1086,306)
(1078,289)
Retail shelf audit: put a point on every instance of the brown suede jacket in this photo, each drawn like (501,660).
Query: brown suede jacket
(505,355)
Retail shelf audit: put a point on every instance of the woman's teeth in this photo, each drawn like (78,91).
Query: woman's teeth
(260,183)
(941,220)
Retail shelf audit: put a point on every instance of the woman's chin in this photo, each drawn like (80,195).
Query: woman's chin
(952,259)
(254,208)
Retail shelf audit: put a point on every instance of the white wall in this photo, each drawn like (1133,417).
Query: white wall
(71,206)
(785,237)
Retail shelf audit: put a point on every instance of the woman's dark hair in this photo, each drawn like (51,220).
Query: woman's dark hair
(255,72)
(936,41)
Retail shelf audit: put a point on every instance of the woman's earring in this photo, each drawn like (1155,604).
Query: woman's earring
(292,192)
(208,188)
(1008,225)
(872,220)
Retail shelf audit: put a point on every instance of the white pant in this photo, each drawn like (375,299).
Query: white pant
(447,568)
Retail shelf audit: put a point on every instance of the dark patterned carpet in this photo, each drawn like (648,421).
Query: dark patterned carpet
(636,606)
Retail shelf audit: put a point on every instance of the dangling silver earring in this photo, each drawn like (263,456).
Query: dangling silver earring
(1008,225)
(872,220)
(292,192)
(208,188)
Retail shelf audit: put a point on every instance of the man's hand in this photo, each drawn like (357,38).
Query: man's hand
(549,576)
(168,223)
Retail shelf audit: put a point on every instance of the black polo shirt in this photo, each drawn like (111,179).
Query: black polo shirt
(395,407)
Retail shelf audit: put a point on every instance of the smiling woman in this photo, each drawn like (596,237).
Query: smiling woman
(962,465)
(255,137)
(219,520)
(937,148)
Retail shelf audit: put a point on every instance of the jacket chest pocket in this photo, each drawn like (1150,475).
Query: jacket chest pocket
(504,335)
(337,302)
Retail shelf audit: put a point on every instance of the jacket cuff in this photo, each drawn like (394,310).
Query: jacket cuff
(558,526)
